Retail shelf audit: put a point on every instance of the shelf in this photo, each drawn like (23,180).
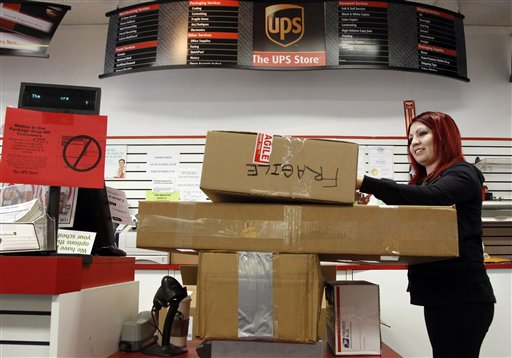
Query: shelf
(495,211)
(491,164)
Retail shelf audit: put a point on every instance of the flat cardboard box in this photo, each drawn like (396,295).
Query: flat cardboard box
(353,318)
(396,234)
(259,296)
(248,166)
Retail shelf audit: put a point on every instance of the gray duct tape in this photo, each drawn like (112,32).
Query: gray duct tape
(255,303)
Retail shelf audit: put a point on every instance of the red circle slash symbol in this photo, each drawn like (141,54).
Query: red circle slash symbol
(82,153)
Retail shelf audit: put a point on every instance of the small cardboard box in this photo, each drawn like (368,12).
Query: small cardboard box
(249,166)
(259,295)
(397,234)
(353,318)
(329,274)
(179,258)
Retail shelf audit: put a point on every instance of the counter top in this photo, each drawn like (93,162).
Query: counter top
(52,275)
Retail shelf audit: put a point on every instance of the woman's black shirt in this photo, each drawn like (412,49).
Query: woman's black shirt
(460,280)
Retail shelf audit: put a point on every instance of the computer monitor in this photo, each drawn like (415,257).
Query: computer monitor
(59,98)
(92,208)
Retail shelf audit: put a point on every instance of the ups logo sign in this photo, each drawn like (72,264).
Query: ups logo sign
(284,24)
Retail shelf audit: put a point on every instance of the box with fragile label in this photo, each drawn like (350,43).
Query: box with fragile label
(353,318)
(250,166)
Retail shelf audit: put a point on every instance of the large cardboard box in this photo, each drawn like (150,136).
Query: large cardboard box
(259,295)
(249,166)
(398,234)
(353,318)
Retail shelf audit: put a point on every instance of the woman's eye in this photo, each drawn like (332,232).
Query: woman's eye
(422,134)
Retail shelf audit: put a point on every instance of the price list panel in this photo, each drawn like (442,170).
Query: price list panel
(136,40)
(363,33)
(437,47)
(212,33)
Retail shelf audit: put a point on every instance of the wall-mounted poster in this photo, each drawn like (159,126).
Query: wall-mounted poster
(286,35)
(115,162)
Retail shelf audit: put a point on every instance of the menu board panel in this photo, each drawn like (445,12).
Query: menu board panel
(363,32)
(26,28)
(136,38)
(437,49)
(289,35)
(212,33)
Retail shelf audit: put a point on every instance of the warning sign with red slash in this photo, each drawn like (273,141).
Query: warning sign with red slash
(58,149)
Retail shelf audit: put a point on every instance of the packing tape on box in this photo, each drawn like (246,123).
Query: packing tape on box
(187,225)
(255,295)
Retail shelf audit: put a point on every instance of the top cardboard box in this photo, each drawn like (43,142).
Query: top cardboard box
(241,166)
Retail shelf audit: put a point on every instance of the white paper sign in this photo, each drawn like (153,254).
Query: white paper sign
(75,242)
(163,164)
(163,185)
(18,236)
(187,184)
(380,162)
(119,209)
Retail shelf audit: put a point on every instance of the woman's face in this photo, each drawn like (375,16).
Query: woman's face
(421,145)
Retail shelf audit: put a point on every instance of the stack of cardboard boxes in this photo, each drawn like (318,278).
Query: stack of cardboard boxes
(278,204)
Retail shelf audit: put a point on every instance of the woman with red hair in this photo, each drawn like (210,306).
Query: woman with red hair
(457,295)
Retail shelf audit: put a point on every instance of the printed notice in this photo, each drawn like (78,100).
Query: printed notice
(212,32)
(136,41)
(58,149)
(18,237)
(163,164)
(75,242)
(363,33)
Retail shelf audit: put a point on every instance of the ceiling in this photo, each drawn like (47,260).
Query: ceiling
(476,12)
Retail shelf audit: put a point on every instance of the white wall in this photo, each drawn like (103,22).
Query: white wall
(338,102)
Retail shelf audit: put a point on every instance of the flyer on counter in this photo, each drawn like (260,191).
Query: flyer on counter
(119,208)
(57,149)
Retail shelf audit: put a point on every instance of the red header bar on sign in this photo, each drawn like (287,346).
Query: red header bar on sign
(444,51)
(288,59)
(137,46)
(212,35)
(213,3)
(364,3)
(139,10)
(428,11)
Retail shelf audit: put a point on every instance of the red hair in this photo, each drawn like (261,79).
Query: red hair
(447,145)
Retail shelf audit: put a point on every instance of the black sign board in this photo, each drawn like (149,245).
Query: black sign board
(292,35)
(27,27)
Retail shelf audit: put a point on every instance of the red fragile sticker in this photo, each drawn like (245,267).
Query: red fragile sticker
(263,148)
